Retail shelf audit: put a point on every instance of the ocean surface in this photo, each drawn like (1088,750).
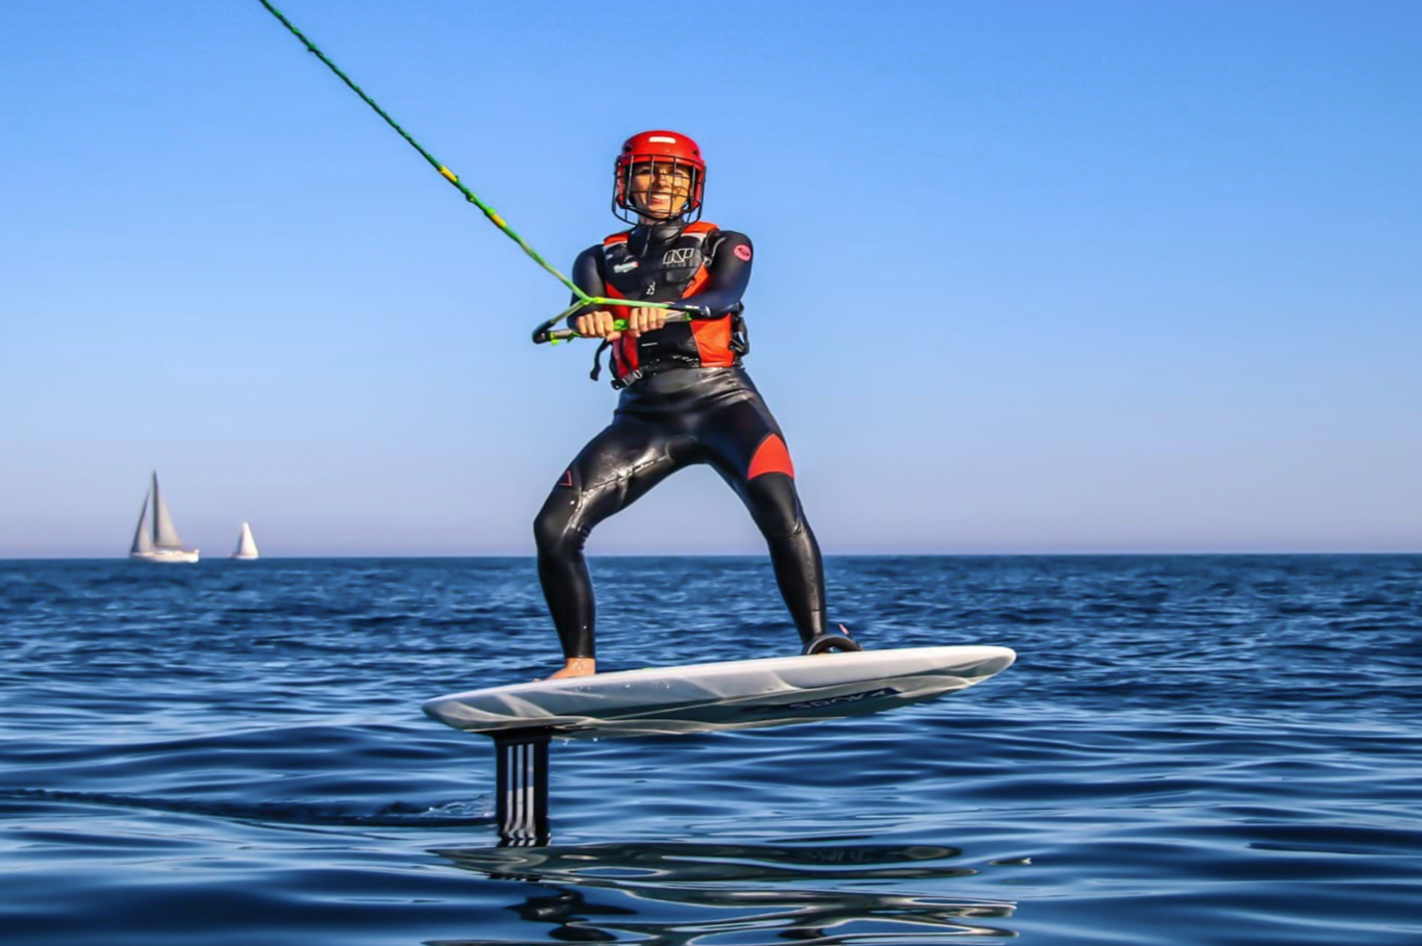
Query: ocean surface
(1190,750)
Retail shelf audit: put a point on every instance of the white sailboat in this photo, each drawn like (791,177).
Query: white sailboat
(158,541)
(246,545)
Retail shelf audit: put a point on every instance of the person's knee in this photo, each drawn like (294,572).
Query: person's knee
(554,531)
(775,507)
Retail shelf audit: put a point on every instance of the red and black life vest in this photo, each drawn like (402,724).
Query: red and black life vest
(680,272)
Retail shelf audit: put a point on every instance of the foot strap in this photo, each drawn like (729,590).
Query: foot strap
(823,643)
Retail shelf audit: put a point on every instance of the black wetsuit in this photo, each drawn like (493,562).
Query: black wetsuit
(685,399)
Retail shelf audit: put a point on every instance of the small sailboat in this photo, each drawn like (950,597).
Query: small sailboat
(246,545)
(157,540)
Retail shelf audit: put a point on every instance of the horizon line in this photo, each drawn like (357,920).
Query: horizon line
(745,555)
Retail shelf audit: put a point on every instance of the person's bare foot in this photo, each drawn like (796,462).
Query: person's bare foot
(576,667)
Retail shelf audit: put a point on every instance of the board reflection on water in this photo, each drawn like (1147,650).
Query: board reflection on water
(744,894)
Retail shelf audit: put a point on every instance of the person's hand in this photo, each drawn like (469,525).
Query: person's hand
(645,320)
(598,325)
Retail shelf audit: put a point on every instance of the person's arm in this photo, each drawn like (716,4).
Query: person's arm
(592,321)
(587,276)
(729,274)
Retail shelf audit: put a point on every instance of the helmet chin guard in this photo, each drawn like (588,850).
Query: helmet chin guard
(668,154)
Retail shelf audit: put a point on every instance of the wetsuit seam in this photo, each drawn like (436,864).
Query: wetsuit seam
(625,477)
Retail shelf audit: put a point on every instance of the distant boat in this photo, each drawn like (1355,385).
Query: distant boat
(158,541)
(246,545)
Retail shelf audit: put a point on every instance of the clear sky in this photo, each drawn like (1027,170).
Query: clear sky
(1029,276)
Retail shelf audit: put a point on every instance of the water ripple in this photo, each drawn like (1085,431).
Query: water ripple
(1196,749)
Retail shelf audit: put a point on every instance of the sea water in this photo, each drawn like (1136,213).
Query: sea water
(1190,750)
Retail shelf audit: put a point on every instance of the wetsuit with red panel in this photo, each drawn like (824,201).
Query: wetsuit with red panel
(685,399)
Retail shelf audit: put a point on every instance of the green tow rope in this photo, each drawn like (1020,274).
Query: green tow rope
(544,332)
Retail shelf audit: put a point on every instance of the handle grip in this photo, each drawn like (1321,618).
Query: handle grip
(681,312)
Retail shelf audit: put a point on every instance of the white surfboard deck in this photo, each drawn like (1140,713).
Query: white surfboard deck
(739,694)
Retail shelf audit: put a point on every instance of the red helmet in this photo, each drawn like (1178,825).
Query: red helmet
(658,147)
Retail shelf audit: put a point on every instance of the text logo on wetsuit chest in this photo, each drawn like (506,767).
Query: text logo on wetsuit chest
(686,256)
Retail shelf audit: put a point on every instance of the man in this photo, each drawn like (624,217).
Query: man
(685,396)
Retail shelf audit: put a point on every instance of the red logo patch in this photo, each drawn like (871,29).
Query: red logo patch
(743,253)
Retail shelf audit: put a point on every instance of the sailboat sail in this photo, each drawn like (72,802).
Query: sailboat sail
(165,534)
(246,545)
(142,541)
(156,538)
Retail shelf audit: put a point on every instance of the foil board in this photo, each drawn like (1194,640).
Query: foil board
(738,694)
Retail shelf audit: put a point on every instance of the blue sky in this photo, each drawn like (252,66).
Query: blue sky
(1029,276)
